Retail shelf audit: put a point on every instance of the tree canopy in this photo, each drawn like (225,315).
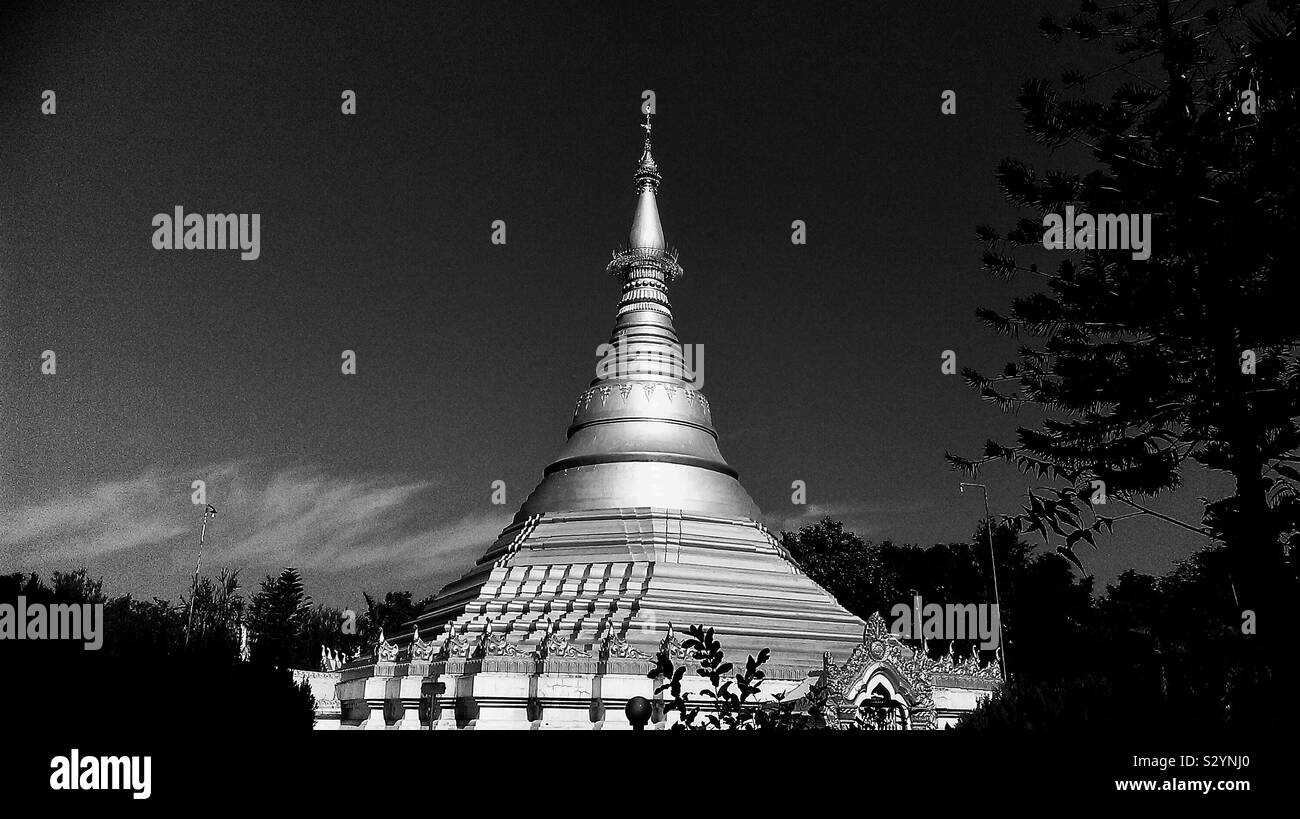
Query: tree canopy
(1142,368)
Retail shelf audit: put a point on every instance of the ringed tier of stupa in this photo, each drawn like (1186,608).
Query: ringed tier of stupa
(639,526)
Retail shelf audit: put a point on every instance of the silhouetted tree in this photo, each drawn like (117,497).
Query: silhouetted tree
(1046,612)
(391,614)
(276,618)
(1142,367)
(843,564)
(144,650)
(218,612)
(1159,653)
(323,626)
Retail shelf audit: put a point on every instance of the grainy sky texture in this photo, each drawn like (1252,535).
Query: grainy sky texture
(822,361)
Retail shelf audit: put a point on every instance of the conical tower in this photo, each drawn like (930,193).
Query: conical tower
(639,522)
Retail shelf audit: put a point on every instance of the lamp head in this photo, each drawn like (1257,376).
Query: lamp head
(638,711)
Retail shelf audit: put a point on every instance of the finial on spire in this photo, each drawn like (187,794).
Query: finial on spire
(646,247)
(647,172)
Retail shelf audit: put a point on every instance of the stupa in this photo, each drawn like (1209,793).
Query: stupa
(639,527)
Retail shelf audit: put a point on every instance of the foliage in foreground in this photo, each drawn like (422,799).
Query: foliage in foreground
(730,704)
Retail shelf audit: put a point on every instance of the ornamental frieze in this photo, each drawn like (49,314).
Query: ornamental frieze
(421,651)
(385,652)
(492,644)
(605,392)
(555,647)
(456,645)
(674,647)
(617,647)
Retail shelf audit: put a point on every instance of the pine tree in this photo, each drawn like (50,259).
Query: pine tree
(276,618)
(1142,368)
(389,615)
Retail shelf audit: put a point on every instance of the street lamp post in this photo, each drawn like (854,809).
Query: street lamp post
(993,563)
(208,513)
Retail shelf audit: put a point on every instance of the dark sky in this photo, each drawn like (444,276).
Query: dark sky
(821,364)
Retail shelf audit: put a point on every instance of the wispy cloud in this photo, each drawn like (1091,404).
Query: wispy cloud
(864,517)
(108,517)
(301,516)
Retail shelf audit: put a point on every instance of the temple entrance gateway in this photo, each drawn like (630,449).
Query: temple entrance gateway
(887,685)
(882,711)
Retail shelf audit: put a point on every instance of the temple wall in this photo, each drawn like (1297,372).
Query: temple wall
(953,697)
(565,696)
(324,686)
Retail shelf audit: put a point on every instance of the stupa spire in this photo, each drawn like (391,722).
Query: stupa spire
(647,232)
(643,328)
(642,432)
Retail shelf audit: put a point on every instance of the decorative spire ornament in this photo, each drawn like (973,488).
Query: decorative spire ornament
(647,172)
(647,234)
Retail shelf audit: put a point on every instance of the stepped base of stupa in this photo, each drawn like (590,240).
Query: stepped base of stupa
(625,574)
(558,623)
